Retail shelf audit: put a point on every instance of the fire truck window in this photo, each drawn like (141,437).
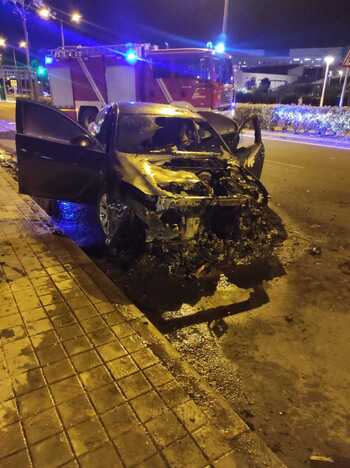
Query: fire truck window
(223,71)
(194,67)
(43,122)
(161,68)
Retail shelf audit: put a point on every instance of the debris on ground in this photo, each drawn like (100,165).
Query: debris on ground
(315,250)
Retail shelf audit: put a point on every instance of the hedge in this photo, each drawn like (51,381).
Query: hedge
(324,121)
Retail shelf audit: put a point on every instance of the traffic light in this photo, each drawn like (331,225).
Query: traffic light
(41,72)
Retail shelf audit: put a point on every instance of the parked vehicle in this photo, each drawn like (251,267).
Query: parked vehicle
(161,177)
(84,79)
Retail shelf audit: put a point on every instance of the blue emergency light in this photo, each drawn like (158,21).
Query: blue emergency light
(131,56)
(220,47)
(48,60)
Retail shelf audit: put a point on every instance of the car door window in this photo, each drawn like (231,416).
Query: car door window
(50,124)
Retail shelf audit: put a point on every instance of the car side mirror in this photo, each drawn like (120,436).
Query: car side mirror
(81,140)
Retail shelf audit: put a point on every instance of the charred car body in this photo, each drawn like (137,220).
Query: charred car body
(162,178)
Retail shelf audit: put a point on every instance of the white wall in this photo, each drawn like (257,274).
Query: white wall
(276,80)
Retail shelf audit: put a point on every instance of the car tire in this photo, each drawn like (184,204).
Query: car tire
(125,234)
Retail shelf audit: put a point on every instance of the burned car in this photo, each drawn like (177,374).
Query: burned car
(163,179)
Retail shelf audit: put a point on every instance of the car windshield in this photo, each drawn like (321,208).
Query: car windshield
(147,134)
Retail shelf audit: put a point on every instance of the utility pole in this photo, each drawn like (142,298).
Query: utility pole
(225,18)
(62,34)
(342,96)
(329,60)
(23,14)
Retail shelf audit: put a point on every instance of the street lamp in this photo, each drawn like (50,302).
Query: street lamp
(328,61)
(22,44)
(2,42)
(75,17)
(225,18)
(44,13)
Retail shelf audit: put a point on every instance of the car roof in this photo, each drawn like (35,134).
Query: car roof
(165,110)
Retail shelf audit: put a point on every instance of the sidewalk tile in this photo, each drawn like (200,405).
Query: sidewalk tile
(52,452)
(77,345)
(66,390)
(102,336)
(95,378)
(28,381)
(86,436)
(41,426)
(119,420)
(58,371)
(133,343)
(86,360)
(166,428)
(211,442)
(17,460)
(154,462)
(104,457)
(122,330)
(122,367)
(34,402)
(11,440)
(76,411)
(8,413)
(51,354)
(134,446)
(158,375)
(111,351)
(134,385)
(105,398)
(145,358)
(191,416)
(148,406)
(185,453)
(6,390)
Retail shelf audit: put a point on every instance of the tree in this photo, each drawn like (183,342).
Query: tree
(251,83)
(264,85)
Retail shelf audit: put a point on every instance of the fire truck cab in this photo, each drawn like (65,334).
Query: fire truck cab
(85,79)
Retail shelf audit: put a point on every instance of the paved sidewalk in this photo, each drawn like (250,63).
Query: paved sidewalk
(85,379)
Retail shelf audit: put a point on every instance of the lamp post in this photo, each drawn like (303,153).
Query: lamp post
(328,60)
(343,91)
(46,14)
(225,18)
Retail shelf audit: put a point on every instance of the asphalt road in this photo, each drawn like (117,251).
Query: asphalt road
(275,340)
(283,361)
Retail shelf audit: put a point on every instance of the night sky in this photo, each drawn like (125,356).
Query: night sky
(271,24)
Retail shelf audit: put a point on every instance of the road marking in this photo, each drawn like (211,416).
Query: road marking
(284,164)
(308,143)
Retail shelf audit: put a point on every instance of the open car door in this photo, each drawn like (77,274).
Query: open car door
(250,157)
(57,158)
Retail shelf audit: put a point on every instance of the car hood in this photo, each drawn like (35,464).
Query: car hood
(149,173)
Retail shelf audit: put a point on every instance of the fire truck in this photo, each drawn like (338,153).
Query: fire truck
(85,79)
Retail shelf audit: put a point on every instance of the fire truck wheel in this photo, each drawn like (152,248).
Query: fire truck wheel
(87,115)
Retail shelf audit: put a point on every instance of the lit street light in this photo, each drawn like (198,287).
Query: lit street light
(22,44)
(46,14)
(75,17)
(328,60)
(2,42)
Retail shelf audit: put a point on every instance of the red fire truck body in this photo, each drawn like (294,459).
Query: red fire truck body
(84,79)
